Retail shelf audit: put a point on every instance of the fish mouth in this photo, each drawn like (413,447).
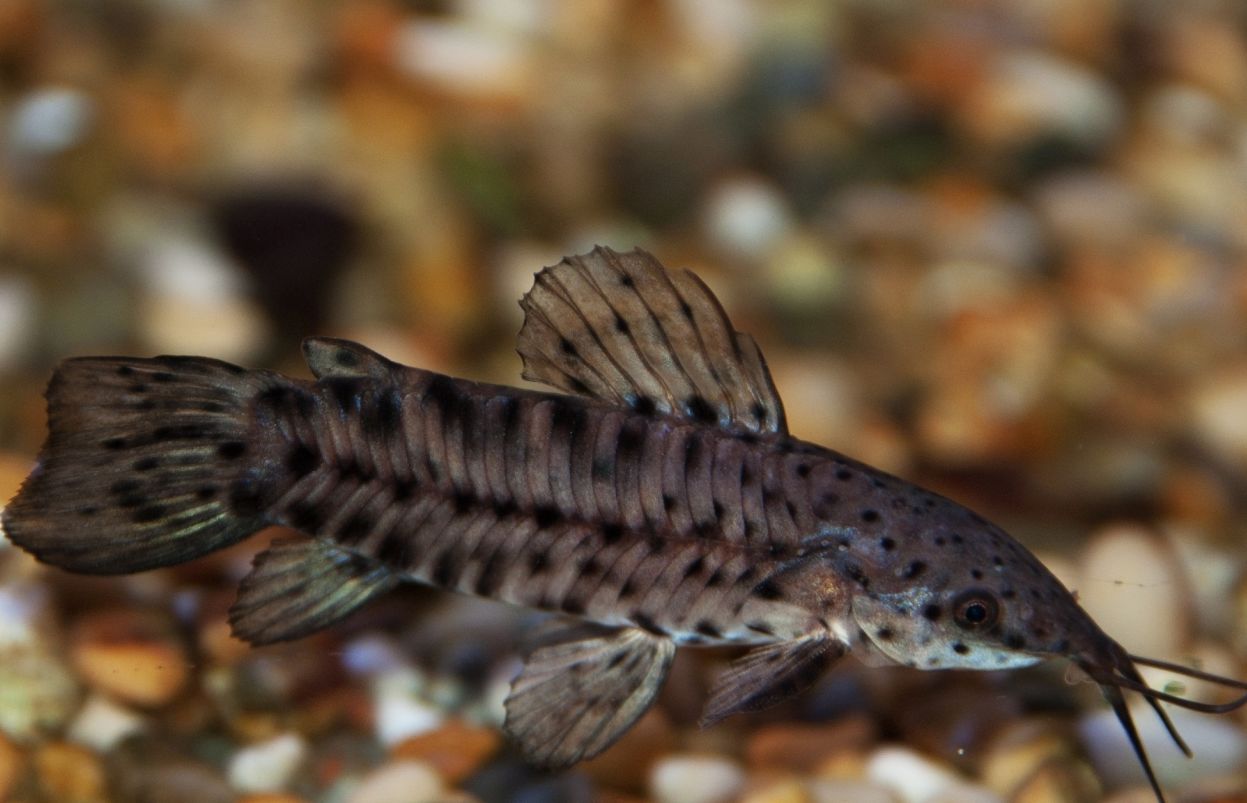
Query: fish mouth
(1117,671)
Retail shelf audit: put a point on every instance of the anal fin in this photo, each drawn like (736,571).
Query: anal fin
(298,587)
(768,675)
(581,689)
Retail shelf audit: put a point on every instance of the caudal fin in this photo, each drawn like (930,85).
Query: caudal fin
(146,464)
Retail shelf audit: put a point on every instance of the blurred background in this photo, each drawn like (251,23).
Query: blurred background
(998,247)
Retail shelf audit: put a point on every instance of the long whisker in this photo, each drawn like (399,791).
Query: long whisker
(1189,672)
(1115,698)
(1182,702)
(1131,672)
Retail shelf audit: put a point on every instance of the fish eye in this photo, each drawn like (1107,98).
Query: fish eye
(976,609)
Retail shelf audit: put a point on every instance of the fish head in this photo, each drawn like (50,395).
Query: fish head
(991,604)
(959,593)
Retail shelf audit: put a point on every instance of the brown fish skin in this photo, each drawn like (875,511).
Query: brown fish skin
(536,499)
(664,503)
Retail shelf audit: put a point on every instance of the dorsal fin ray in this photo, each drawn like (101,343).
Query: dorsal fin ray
(621,328)
(332,356)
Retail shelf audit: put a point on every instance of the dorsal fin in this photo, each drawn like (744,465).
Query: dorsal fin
(621,328)
(332,356)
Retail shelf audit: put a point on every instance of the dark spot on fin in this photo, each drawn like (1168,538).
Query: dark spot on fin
(139,463)
(330,357)
(699,409)
(298,587)
(668,320)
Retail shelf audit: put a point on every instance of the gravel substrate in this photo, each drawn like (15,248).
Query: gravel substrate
(997,248)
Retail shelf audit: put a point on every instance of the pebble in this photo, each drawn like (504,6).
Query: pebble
(625,764)
(964,793)
(1029,94)
(132,655)
(913,777)
(1131,583)
(102,723)
(803,280)
(47,122)
(19,308)
(465,58)
(695,779)
(12,764)
(455,750)
(801,748)
(956,723)
(1216,407)
(171,781)
(268,766)
(400,781)
(38,693)
(13,471)
(401,710)
(1033,760)
(70,773)
(194,303)
(1059,781)
(828,790)
(1016,750)
(745,216)
(1218,744)
(822,399)
(1091,207)
(371,655)
(786,791)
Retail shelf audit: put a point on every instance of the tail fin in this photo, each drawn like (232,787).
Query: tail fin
(146,464)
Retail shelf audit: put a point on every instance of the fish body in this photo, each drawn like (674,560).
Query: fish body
(659,501)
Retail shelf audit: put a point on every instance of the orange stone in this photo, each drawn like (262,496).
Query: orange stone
(802,747)
(70,773)
(11,765)
(455,750)
(132,655)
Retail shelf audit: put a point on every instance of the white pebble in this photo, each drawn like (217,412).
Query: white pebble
(1219,746)
(463,56)
(836,790)
(18,310)
(101,723)
(695,779)
(49,121)
(1132,586)
(195,301)
(267,766)
(1217,408)
(399,782)
(371,655)
(914,778)
(1033,92)
(401,710)
(965,793)
(745,216)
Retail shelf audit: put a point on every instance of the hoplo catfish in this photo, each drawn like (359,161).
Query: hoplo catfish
(660,502)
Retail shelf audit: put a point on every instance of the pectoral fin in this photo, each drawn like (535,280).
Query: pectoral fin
(769,675)
(577,694)
(298,587)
